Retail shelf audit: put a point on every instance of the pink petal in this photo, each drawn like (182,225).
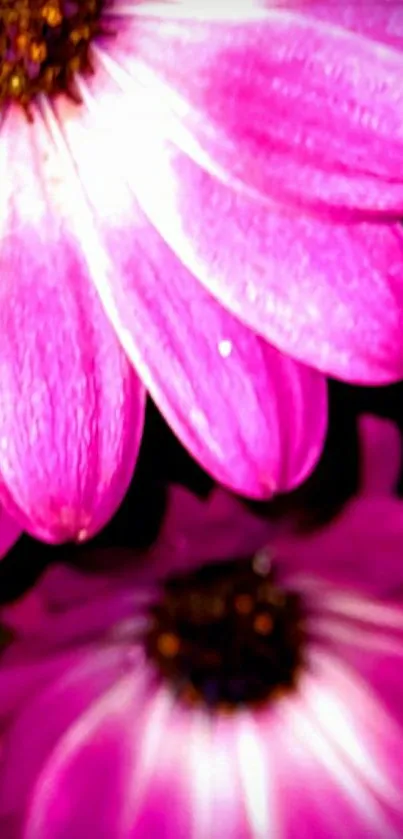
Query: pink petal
(55,615)
(329,294)
(128,765)
(196,531)
(91,620)
(9,532)
(62,689)
(71,408)
(350,708)
(26,614)
(381,450)
(361,549)
(200,365)
(197,361)
(85,783)
(62,587)
(376,657)
(254,418)
(187,761)
(229,802)
(123,578)
(162,774)
(380,20)
(278,103)
(20,676)
(319,788)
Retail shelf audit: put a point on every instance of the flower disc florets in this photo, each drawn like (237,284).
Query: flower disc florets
(227,635)
(43,45)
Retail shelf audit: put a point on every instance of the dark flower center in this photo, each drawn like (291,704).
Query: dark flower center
(43,45)
(226,635)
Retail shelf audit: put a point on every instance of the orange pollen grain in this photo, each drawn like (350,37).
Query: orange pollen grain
(52,15)
(15,83)
(38,52)
(22,42)
(243,604)
(168,644)
(263,624)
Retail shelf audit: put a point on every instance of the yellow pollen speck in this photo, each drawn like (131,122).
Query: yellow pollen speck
(38,52)
(22,42)
(15,84)
(52,14)
(243,604)
(168,644)
(81,34)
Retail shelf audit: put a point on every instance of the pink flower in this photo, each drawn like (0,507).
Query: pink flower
(234,700)
(92,290)
(201,210)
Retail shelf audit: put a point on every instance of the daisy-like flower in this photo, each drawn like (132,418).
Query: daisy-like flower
(200,184)
(247,697)
(94,303)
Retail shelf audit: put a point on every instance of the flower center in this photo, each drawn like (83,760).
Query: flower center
(226,635)
(43,45)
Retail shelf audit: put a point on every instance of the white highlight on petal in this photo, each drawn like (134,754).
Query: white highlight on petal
(335,718)
(355,636)
(321,598)
(360,608)
(112,703)
(199,419)
(224,772)
(305,729)
(311,587)
(149,748)
(159,113)
(255,778)
(200,777)
(98,261)
(225,348)
(130,629)
(197,10)
(156,727)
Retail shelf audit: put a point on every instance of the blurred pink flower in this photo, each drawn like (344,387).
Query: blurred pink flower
(91,291)
(97,743)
